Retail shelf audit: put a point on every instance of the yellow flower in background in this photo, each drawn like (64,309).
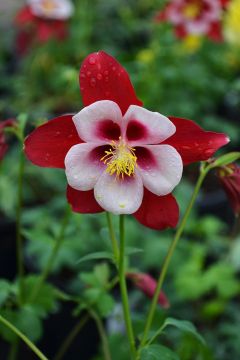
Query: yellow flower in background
(191,43)
(232,23)
(146,56)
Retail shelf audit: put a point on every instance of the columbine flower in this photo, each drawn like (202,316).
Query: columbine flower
(229,177)
(148,285)
(232,23)
(41,20)
(3,144)
(117,155)
(194,17)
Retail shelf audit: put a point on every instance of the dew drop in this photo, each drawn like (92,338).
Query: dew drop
(113,68)
(93,82)
(106,79)
(106,73)
(81,88)
(89,73)
(99,76)
(82,76)
(91,60)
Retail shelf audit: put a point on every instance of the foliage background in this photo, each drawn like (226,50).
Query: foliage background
(170,77)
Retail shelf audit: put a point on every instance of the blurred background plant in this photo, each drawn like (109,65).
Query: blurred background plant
(192,77)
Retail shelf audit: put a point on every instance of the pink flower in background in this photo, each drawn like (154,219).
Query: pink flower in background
(41,20)
(194,17)
(147,284)
(229,177)
(3,144)
(118,156)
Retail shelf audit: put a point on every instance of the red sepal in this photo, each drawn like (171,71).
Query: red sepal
(24,16)
(158,212)
(103,78)
(48,145)
(192,142)
(82,201)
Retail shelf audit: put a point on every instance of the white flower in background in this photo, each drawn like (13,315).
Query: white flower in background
(51,9)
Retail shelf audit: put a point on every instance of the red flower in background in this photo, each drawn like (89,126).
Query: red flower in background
(194,17)
(42,20)
(103,78)
(3,144)
(229,177)
(148,286)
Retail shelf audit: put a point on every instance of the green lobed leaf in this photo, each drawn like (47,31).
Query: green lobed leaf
(96,256)
(185,326)
(158,352)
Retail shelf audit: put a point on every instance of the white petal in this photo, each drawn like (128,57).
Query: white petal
(83,166)
(163,171)
(89,120)
(119,196)
(146,127)
(58,10)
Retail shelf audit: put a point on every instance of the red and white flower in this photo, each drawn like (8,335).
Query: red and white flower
(51,9)
(194,17)
(41,20)
(118,156)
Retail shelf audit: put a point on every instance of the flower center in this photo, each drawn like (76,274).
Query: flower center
(48,5)
(120,159)
(191,11)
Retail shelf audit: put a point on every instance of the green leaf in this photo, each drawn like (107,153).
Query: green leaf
(185,326)
(102,273)
(46,300)
(226,159)
(132,250)
(105,304)
(5,289)
(26,320)
(158,352)
(96,256)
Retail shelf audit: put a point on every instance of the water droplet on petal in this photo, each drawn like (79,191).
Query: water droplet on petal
(113,68)
(82,76)
(93,82)
(106,79)
(81,88)
(89,73)
(106,73)
(99,76)
(91,60)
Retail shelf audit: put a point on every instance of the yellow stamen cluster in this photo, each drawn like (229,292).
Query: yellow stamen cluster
(191,11)
(48,5)
(120,159)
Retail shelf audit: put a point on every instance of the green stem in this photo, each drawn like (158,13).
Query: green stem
(70,338)
(112,237)
(23,337)
(168,257)
(103,335)
(123,288)
(19,240)
(52,257)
